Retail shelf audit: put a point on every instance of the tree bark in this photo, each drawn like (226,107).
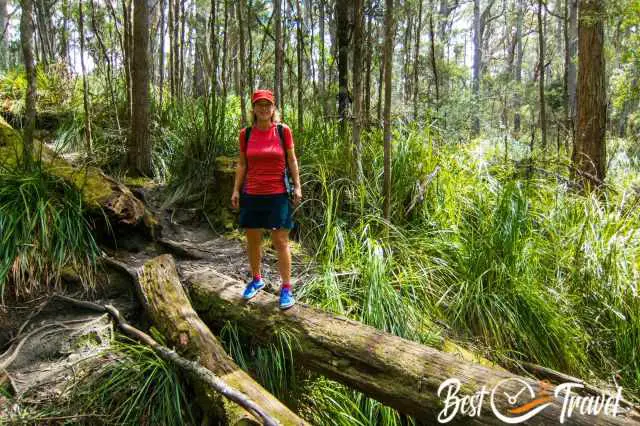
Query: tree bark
(589,156)
(279,48)
(397,372)
(300,59)
(240,7)
(26,40)
(477,61)
(88,137)
(570,60)
(225,49)
(213,47)
(358,40)
(416,58)
(388,71)
(168,306)
(368,65)
(541,59)
(250,19)
(3,34)
(139,143)
(434,61)
(127,54)
(199,87)
(518,64)
(342,38)
(163,6)
(323,90)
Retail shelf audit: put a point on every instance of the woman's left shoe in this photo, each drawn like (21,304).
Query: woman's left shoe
(286,298)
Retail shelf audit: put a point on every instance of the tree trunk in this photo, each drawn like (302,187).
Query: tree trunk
(434,61)
(300,59)
(570,60)
(279,49)
(477,60)
(181,57)
(127,54)
(88,138)
(323,90)
(518,64)
(357,86)
(416,58)
(589,156)
(3,34)
(397,372)
(406,75)
(250,20)
(213,47)
(382,64)
(26,40)
(199,86)
(163,6)
(541,59)
(168,306)
(368,65)
(225,49)
(388,71)
(240,7)
(139,144)
(342,37)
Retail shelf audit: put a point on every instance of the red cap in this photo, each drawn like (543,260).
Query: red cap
(263,94)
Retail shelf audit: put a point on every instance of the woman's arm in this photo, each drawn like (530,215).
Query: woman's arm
(295,174)
(241,170)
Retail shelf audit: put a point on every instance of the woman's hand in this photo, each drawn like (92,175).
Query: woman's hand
(297,195)
(235,199)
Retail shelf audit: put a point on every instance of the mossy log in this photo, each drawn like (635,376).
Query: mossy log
(399,373)
(167,305)
(102,195)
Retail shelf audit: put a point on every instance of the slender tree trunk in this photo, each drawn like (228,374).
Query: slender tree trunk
(199,88)
(163,6)
(416,58)
(357,86)
(172,51)
(382,64)
(541,59)
(406,75)
(434,61)
(88,138)
(175,72)
(589,156)
(3,34)
(279,48)
(571,58)
(250,20)
(225,49)
(64,33)
(477,60)
(300,64)
(518,64)
(388,71)
(323,91)
(128,44)
(181,57)
(26,40)
(342,36)
(240,6)
(368,64)
(139,146)
(213,47)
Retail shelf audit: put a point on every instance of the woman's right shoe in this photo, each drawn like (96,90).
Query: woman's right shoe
(252,288)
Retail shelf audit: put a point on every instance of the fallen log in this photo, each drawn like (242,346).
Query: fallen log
(167,305)
(102,195)
(400,373)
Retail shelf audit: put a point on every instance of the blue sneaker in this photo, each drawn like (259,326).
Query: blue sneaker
(252,288)
(286,298)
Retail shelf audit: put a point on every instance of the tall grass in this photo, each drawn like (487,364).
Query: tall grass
(42,231)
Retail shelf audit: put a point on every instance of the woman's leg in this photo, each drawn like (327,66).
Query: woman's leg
(280,239)
(254,241)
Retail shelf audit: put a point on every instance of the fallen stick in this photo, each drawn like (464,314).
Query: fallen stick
(191,367)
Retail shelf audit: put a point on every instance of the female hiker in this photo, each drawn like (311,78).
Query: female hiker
(262,190)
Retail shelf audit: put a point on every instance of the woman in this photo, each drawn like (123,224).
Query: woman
(260,190)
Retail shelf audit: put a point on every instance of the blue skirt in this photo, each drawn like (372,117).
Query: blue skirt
(265,211)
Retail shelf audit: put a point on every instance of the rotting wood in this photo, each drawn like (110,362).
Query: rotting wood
(167,305)
(400,373)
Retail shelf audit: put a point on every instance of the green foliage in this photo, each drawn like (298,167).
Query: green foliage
(42,231)
(141,389)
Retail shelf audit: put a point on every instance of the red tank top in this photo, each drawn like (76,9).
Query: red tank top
(265,160)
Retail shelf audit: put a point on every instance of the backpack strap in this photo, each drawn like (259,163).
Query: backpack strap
(280,128)
(247,135)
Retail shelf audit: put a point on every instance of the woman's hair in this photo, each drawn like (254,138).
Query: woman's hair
(275,117)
